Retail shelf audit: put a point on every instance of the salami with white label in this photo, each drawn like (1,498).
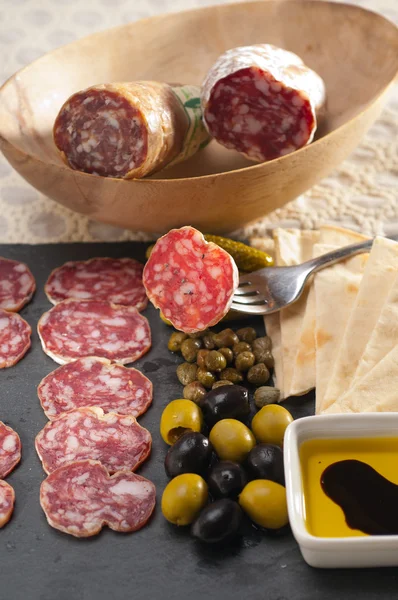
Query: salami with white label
(7,500)
(262,101)
(17,284)
(82,497)
(116,280)
(10,450)
(94,381)
(116,441)
(131,129)
(77,328)
(15,341)
(192,281)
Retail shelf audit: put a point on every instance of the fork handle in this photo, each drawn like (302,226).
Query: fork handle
(325,260)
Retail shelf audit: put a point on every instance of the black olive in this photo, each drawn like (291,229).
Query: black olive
(218,522)
(226,402)
(191,453)
(265,461)
(226,479)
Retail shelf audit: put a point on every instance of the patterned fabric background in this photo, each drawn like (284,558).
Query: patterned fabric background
(362,193)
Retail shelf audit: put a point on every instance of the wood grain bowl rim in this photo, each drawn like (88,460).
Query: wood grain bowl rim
(175,181)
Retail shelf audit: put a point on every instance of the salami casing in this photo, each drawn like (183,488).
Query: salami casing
(130,130)
(192,281)
(78,328)
(94,381)
(7,500)
(82,497)
(262,101)
(10,450)
(117,280)
(17,285)
(116,441)
(15,335)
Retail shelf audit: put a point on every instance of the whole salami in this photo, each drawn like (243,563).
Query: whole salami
(17,285)
(77,328)
(15,335)
(117,280)
(262,101)
(192,281)
(94,381)
(82,497)
(130,130)
(116,441)
(7,500)
(10,450)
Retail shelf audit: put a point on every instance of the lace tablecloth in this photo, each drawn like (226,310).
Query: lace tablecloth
(361,194)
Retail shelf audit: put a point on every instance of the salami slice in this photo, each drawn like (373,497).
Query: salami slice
(192,281)
(15,335)
(82,497)
(10,450)
(116,441)
(117,280)
(7,500)
(130,129)
(262,101)
(94,381)
(77,328)
(17,285)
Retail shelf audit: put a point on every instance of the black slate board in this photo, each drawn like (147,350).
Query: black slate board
(159,562)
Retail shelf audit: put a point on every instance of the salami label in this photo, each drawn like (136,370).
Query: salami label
(17,285)
(7,500)
(82,497)
(95,381)
(117,441)
(10,450)
(15,335)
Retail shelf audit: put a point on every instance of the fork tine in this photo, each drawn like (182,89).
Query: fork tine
(253,309)
(254,299)
(247,289)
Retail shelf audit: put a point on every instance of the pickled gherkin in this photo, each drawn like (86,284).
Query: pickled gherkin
(246,258)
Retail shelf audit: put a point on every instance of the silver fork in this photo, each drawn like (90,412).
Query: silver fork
(270,289)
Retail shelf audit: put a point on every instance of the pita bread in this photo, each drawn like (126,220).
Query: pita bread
(376,392)
(379,276)
(273,327)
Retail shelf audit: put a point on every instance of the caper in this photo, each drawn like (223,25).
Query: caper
(190,349)
(215,361)
(175,341)
(268,359)
(186,373)
(258,374)
(266,395)
(226,338)
(200,358)
(194,391)
(229,355)
(206,378)
(260,346)
(244,361)
(198,334)
(221,383)
(231,375)
(246,334)
(241,347)
(208,340)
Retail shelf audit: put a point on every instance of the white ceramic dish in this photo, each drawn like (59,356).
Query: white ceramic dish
(371,551)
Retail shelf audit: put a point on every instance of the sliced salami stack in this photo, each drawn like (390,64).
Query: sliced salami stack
(10,455)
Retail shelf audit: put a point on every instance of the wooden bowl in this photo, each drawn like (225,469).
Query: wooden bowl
(354,50)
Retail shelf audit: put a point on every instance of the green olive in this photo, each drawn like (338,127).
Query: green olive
(231,440)
(175,341)
(190,349)
(221,383)
(179,417)
(208,340)
(225,339)
(244,361)
(186,373)
(258,374)
(265,503)
(241,347)
(247,334)
(266,395)
(206,378)
(231,375)
(228,354)
(194,391)
(200,358)
(215,361)
(261,347)
(183,498)
(148,251)
(270,423)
